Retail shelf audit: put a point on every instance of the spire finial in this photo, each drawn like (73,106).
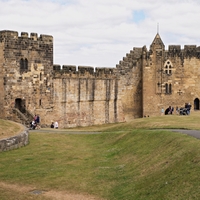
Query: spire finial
(157,27)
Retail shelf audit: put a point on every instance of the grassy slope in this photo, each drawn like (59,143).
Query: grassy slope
(122,163)
(9,129)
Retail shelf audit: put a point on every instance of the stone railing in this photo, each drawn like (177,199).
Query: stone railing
(15,142)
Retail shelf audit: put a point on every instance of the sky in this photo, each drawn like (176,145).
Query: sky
(99,33)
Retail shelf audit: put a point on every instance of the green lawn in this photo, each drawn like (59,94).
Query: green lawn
(127,161)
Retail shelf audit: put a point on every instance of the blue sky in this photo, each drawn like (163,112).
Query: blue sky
(138,16)
(99,33)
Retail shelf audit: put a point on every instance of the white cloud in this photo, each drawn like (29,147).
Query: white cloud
(101,32)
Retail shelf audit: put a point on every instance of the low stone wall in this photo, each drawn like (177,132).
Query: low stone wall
(15,142)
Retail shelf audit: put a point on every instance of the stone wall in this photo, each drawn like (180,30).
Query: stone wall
(15,142)
(26,65)
(170,77)
(84,97)
(129,72)
(142,83)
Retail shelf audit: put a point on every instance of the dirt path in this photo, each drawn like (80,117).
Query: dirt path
(54,195)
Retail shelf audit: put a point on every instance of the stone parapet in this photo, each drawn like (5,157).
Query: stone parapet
(7,34)
(15,142)
(83,71)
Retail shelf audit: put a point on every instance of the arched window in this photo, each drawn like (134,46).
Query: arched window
(168,67)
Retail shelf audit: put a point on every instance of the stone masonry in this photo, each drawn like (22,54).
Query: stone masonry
(15,142)
(141,84)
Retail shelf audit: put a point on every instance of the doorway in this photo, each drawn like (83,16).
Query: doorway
(20,105)
(196,104)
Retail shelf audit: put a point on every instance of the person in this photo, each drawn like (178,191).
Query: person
(188,108)
(38,119)
(56,125)
(52,125)
(177,110)
(172,110)
(35,118)
(167,111)
(162,111)
(33,124)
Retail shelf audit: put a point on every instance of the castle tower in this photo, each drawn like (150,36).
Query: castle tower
(153,76)
(26,64)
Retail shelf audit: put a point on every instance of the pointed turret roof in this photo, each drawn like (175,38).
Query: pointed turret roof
(157,42)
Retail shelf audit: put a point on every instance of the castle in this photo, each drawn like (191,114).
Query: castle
(144,82)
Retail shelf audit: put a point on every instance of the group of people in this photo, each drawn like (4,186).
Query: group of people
(35,122)
(170,110)
(54,125)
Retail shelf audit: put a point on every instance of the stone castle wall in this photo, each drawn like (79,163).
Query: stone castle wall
(142,83)
(84,97)
(177,68)
(26,65)
(129,71)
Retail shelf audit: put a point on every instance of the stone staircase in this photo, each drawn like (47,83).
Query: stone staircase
(23,117)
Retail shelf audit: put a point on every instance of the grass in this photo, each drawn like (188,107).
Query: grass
(160,122)
(126,161)
(9,128)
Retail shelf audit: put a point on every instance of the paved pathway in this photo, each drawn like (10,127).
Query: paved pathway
(194,133)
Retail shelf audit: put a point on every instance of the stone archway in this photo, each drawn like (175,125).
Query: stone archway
(20,105)
(196,104)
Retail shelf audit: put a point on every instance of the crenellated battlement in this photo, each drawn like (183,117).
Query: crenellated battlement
(172,48)
(85,71)
(7,34)
(188,51)
(130,61)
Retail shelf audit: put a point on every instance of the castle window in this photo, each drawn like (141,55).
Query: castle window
(168,67)
(40,76)
(26,64)
(23,65)
(168,88)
